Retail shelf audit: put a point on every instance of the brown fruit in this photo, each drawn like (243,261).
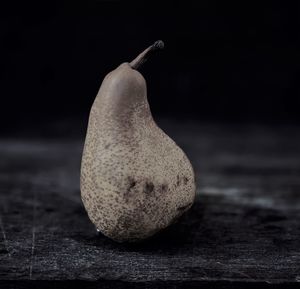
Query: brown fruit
(135,180)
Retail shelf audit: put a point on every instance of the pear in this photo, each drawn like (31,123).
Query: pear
(135,180)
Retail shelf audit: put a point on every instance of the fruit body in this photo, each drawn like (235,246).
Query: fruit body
(135,180)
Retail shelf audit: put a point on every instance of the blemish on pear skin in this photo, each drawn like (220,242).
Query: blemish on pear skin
(185,180)
(178,181)
(132,183)
(107,146)
(130,187)
(164,187)
(149,187)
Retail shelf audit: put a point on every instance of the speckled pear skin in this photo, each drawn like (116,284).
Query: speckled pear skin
(135,180)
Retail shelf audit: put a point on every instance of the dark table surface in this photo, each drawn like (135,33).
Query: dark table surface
(244,228)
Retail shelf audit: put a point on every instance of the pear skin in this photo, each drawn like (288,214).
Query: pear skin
(135,180)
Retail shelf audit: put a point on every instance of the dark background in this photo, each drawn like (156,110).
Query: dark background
(228,75)
(222,62)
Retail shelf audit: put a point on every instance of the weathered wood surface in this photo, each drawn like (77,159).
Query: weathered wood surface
(243,228)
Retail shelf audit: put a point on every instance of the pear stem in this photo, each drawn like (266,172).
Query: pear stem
(142,57)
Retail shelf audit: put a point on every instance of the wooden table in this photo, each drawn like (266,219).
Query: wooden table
(244,228)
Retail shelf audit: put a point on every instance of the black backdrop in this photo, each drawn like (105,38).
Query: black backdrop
(222,62)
